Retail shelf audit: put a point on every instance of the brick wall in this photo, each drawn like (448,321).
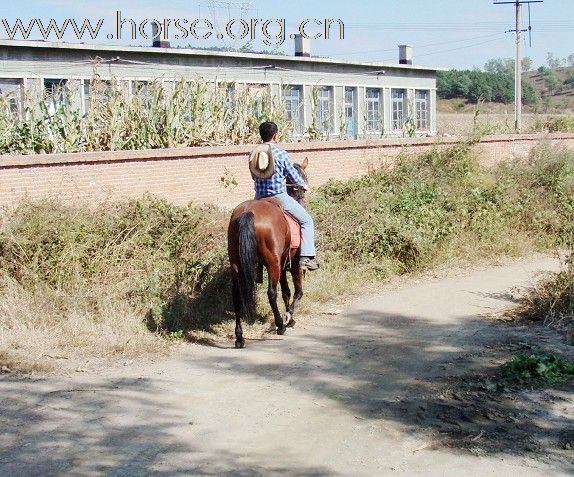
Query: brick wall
(193,174)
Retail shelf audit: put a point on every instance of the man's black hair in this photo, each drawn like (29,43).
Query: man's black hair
(267,130)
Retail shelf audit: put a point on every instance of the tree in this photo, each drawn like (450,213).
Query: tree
(453,84)
(526,63)
(551,82)
(500,66)
(570,60)
(552,61)
(479,87)
(529,94)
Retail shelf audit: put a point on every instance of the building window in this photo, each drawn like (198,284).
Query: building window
(142,89)
(324,113)
(86,96)
(228,92)
(102,90)
(374,123)
(11,89)
(229,95)
(350,113)
(56,94)
(293,99)
(259,94)
(422,109)
(398,111)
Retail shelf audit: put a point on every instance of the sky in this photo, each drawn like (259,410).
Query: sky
(443,33)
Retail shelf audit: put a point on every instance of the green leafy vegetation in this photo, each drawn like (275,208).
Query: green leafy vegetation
(442,206)
(129,276)
(494,84)
(538,370)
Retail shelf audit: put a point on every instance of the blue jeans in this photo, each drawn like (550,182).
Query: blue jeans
(302,216)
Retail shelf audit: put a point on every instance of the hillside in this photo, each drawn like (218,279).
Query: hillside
(545,90)
(559,90)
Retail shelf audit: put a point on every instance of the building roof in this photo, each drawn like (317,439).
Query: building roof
(205,53)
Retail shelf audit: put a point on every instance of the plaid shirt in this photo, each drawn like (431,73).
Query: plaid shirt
(276,183)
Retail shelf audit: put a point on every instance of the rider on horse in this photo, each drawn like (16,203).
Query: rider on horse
(271,182)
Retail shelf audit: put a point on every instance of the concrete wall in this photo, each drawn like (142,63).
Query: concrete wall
(195,174)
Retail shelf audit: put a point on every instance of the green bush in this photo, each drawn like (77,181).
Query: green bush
(442,204)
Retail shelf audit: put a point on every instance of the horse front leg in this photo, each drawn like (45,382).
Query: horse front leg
(297,274)
(286,293)
(274,272)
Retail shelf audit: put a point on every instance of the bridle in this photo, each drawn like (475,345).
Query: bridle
(297,192)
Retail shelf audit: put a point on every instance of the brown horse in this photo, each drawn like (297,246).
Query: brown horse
(258,236)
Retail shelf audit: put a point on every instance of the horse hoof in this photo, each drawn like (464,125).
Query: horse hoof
(281,331)
(291,323)
(240,344)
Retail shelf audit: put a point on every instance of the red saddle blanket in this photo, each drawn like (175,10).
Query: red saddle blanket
(295,231)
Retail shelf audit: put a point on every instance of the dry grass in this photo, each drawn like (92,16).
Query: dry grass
(42,327)
(552,300)
(465,123)
(132,278)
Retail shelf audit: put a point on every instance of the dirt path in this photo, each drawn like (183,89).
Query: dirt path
(385,388)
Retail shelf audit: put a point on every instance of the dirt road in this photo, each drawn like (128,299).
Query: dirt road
(387,387)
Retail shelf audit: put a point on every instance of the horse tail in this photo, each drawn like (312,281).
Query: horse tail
(247,264)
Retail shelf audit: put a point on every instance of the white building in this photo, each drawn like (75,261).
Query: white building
(359,100)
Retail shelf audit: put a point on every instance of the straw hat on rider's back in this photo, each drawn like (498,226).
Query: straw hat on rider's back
(261,163)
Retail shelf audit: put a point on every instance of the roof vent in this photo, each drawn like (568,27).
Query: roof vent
(158,41)
(302,46)
(405,55)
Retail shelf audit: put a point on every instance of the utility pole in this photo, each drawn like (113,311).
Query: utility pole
(518,71)
(518,62)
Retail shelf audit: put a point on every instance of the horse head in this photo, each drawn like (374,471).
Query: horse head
(297,192)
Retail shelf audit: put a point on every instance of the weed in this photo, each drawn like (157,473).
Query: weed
(538,370)
(552,300)
(560,124)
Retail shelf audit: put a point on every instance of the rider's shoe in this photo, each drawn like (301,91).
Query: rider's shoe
(308,263)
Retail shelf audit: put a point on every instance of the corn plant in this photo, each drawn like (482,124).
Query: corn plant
(154,115)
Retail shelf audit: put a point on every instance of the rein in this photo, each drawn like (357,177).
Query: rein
(293,186)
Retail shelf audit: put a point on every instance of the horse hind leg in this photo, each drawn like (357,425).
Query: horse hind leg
(239,340)
(259,274)
(274,276)
(286,293)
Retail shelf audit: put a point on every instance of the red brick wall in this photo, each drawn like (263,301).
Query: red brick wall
(193,174)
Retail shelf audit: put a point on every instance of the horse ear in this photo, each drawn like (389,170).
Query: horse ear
(305,163)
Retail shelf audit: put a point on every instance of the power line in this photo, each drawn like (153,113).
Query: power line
(420,46)
(498,37)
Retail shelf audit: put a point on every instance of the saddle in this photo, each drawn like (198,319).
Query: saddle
(294,226)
